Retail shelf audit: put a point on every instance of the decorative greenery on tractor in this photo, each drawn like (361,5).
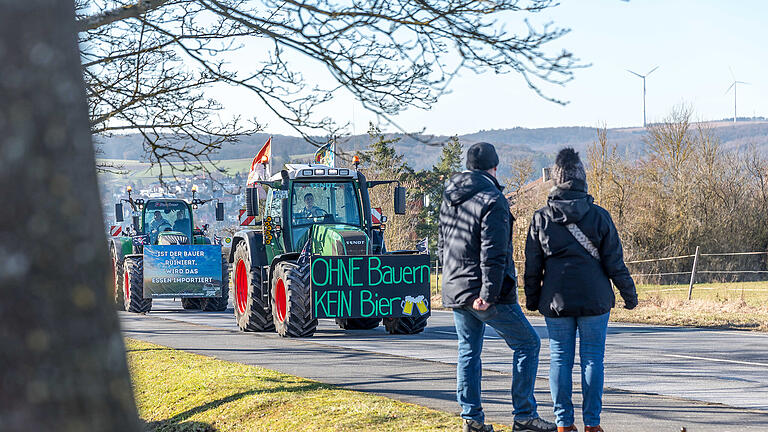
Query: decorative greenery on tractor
(167,225)
(315,252)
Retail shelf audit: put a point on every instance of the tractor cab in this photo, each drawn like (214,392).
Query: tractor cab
(317,199)
(164,217)
(323,203)
(165,221)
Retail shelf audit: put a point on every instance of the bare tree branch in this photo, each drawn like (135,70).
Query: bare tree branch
(118,14)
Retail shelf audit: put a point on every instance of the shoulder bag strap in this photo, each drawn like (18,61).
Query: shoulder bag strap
(583,240)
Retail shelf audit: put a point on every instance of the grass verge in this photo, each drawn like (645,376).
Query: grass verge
(737,305)
(179,391)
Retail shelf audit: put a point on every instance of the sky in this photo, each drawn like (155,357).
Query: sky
(695,44)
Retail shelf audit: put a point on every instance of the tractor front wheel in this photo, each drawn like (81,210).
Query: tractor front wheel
(251,311)
(219,304)
(358,323)
(291,300)
(405,325)
(190,302)
(117,275)
(133,285)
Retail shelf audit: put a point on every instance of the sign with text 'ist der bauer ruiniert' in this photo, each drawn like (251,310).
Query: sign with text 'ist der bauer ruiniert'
(182,271)
(385,286)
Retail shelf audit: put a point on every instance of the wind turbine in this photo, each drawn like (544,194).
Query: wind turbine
(643,77)
(733,86)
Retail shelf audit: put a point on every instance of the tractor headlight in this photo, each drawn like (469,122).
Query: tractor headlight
(333,172)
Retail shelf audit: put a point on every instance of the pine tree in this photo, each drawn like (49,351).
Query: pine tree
(382,160)
(433,185)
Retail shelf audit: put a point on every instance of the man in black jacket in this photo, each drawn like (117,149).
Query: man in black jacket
(479,284)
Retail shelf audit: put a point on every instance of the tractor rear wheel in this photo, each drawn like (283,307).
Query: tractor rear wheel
(251,311)
(291,300)
(133,285)
(117,275)
(219,304)
(190,302)
(358,323)
(405,325)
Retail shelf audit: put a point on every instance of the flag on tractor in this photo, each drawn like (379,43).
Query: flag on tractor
(261,166)
(306,254)
(326,154)
(423,246)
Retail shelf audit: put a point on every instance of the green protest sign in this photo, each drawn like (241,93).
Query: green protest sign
(370,286)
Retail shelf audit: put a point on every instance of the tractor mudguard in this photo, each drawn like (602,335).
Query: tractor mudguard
(290,256)
(123,246)
(255,242)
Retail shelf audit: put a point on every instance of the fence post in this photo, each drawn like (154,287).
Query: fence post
(693,273)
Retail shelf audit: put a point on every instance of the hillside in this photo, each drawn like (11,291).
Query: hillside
(512,143)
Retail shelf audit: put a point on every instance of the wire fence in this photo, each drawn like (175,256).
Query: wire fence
(701,268)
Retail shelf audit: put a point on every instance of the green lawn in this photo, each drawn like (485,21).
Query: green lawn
(141,170)
(753,293)
(179,391)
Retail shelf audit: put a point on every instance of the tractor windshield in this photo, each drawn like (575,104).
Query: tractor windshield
(327,202)
(162,216)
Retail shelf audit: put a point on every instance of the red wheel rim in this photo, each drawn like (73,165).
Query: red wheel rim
(127,286)
(280,300)
(241,286)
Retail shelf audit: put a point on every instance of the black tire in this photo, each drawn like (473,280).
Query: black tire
(249,305)
(219,304)
(133,283)
(117,275)
(294,318)
(358,323)
(190,302)
(405,325)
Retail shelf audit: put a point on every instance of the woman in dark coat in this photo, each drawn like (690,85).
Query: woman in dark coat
(572,254)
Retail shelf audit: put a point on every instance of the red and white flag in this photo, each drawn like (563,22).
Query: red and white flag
(261,166)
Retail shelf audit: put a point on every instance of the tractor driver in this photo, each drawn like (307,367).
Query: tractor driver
(157,222)
(182,221)
(310,209)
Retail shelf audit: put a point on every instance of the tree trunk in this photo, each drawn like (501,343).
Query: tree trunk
(62,358)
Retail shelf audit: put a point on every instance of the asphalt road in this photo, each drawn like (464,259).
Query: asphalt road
(657,378)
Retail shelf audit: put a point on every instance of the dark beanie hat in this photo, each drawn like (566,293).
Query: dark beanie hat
(482,156)
(568,167)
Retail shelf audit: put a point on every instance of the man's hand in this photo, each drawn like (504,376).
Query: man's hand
(480,304)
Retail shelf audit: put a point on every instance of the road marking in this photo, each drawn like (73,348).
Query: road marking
(444,332)
(716,360)
(454,334)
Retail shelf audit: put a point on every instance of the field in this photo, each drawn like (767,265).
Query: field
(179,391)
(141,170)
(738,305)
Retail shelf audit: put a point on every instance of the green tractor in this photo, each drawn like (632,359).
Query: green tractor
(316,253)
(163,255)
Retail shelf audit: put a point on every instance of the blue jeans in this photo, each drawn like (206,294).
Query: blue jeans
(510,323)
(562,347)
